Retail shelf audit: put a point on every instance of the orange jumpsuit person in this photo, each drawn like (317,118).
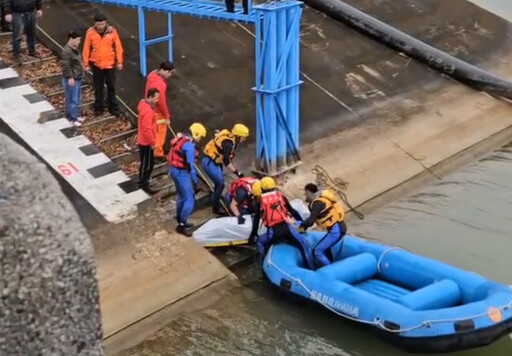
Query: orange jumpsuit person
(156,79)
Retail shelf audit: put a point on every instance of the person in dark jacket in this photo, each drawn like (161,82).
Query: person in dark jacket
(23,14)
(72,73)
(147,137)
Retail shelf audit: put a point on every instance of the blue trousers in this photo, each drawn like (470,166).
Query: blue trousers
(24,22)
(322,250)
(284,233)
(244,210)
(73,98)
(185,190)
(214,172)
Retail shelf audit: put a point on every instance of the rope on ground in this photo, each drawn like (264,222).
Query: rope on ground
(337,184)
(377,322)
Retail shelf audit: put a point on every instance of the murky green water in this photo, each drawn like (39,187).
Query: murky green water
(465,219)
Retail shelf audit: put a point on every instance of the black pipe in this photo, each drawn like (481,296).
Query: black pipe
(435,58)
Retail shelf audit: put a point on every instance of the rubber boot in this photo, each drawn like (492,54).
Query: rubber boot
(182,229)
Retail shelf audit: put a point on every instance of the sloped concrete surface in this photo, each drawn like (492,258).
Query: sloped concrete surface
(48,289)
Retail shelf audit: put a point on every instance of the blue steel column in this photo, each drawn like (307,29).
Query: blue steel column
(142,41)
(293,76)
(270,79)
(281,95)
(170,36)
(277,85)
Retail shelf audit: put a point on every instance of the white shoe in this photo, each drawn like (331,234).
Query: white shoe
(80,119)
(76,124)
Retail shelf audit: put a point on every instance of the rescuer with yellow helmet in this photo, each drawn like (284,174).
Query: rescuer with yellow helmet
(328,215)
(181,159)
(277,215)
(219,153)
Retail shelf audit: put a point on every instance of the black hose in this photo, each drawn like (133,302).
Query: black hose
(435,58)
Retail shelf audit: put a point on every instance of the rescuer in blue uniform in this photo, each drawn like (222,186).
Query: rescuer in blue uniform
(328,215)
(240,197)
(181,158)
(219,152)
(278,216)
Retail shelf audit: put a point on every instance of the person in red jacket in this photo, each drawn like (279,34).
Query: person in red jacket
(147,137)
(156,79)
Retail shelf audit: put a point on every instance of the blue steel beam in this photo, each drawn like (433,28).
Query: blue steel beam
(144,43)
(214,10)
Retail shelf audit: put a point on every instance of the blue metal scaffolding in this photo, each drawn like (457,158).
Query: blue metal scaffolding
(277,47)
(277,86)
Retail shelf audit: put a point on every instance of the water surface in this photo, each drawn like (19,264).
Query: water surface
(465,220)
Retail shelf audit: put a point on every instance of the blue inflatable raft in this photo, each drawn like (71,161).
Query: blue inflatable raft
(421,304)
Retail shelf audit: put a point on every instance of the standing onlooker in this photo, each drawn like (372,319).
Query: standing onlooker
(147,137)
(72,73)
(23,14)
(102,55)
(156,79)
(230,6)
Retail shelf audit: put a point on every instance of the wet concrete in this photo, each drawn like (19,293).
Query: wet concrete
(341,68)
(457,26)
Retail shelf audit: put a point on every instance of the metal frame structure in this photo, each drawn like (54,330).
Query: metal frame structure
(277,54)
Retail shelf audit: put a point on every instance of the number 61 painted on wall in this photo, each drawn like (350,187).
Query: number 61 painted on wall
(67,169)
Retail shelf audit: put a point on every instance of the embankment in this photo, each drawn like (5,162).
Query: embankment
(151,275)
(453,127)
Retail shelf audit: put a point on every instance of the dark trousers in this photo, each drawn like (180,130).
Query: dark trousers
(24,22)
(230,5)
(147,161)
(284,233)
(100,78)
(5,26)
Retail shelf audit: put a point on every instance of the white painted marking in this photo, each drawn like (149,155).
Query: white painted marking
(63,154)
(7,73)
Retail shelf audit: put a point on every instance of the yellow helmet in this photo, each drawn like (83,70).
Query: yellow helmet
(197,130)
(256,188)
(240,130)
(268,183)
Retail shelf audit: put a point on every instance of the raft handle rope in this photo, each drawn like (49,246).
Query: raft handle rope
(390,249)
(377,321)
(337,184)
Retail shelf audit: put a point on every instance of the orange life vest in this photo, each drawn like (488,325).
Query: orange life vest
(177,157)
(273,208)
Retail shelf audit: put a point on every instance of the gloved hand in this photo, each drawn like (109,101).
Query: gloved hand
(196,188)
(239,174)
(241,220)
(301,229)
